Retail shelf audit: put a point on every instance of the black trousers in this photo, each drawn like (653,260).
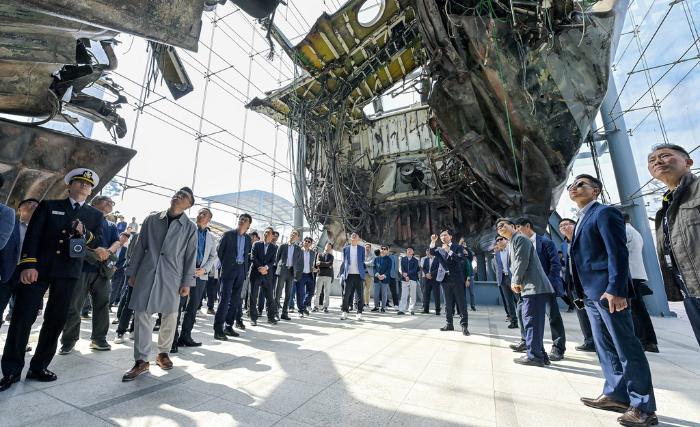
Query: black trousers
(212,292)
(509,298)
(354,285)
(124,313)
(263,286)
(394,291)
(29,299)
(585,324)
(643,328)
(189,305)
(431,285)
(454,295)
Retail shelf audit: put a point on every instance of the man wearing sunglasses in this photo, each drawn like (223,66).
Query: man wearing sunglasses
(600,268)
(161,270)
(678,228)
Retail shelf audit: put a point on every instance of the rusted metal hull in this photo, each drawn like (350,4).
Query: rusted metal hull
(34,160)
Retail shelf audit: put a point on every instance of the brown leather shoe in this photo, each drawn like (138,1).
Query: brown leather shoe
(163,360)
(635,417)
(605,403)
(139,368)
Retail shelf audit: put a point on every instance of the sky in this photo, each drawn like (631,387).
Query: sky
(167,146)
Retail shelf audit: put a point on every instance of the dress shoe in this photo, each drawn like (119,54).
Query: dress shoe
(291,309)
(66,349)
(188,342)
(520,347)
(240,326)
(220,336)
(400,313)
(285,317)
(7,381)
(115,321)
(211,311)
(139,368)
(585,347)
(174,348)
(524,360)
(382,311)
(164,362)
(426,311)
(547,362)
(635,417)
(325,310)
(512,325)
(413,313)
(315,310)
(447,327)
(230,332)
(555,355)
(100,345)
(253,323)
(28,349)
(473,308)
(605,403)
(85,315)
(119,339)
(651,348)
(465,331)
(437,313)
(375,309)
(43,376)
(272,321)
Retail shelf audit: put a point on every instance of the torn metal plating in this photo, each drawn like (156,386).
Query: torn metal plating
(513,88)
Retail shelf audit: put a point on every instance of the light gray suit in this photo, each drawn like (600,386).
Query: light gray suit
(526,268)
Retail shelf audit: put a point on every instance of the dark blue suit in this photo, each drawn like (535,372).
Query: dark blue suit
(233,275)
(382,266)
(430,285)
(600,264)
(264,283)
(9,256)
(453,284)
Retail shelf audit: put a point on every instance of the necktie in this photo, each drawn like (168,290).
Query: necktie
(76,206)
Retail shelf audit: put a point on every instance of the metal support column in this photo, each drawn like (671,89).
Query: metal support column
(628,185)
(299,179)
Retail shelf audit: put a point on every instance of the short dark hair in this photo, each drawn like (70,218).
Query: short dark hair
(377,252)
(523,222)
(411,248)
(506,220)
(211,215)
(567,220)
(448,231)
(673,147)
(272,231)
(275,233)
(626,217)
(255,233)
(595,182)
(245,215)
(99,199)
(27,201)
(189,192)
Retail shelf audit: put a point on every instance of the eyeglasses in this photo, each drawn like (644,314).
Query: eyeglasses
(500,239)
(579,184)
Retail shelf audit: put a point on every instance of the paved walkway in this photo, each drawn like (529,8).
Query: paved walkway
(385,370)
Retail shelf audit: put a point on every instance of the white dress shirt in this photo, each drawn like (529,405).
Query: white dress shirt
(353,268)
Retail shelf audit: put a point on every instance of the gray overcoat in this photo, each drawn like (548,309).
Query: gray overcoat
(526,268)
(163,261)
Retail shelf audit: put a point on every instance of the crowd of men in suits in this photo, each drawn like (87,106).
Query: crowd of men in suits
(168,265)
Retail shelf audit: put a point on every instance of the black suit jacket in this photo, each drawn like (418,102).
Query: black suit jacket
(228,252)
(9,255)
(46,242)
(454,263)
(263,259)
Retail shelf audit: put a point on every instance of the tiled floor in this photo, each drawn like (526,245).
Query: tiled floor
(385,370)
